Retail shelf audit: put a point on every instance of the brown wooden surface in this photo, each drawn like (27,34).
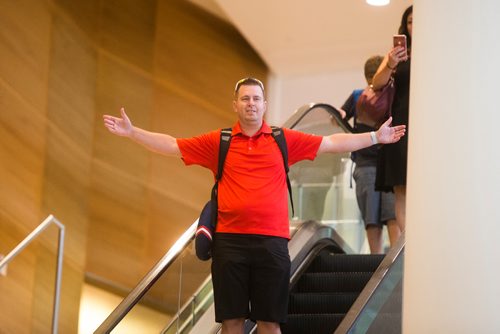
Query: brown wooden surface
(62,65)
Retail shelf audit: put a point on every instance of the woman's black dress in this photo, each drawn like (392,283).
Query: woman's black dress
(392,159)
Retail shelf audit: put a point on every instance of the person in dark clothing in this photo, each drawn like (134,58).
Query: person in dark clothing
(392,163)
(377,208)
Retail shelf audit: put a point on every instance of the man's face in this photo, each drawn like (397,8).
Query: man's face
(250,105)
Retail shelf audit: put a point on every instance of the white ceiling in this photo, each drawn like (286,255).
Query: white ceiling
(304,37)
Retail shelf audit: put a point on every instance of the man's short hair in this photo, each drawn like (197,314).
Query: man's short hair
(248,82)
(371,66)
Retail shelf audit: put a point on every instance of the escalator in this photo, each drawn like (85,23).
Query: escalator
(327,289)
(347,293)
(332,287)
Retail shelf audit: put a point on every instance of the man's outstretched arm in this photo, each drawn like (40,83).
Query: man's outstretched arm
(153,141)
(350,142)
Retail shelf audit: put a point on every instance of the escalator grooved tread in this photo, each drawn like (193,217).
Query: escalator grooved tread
(327,290)
(328,262)
(321,302)
(312,323)
(333,282)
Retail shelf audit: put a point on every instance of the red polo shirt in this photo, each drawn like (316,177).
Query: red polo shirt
(253,195)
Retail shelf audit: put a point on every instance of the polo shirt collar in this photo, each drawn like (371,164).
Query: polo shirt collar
(264,129)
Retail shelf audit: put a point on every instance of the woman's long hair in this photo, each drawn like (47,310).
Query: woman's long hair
(403,28)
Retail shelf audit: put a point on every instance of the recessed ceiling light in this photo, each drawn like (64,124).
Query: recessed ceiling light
(378,2)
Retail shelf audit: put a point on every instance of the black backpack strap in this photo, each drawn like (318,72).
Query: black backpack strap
(279,136)
(225,140)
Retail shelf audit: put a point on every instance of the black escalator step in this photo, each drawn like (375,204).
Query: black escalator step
(311,323)
(321,302)
(327,261)
(333,282)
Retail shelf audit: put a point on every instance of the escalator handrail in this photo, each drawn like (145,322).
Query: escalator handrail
(148,281)
(370,288)
(302,112)
(182,243)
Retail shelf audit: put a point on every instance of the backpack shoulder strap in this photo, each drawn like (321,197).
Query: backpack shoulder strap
(281,141)
(279,137)
(356,93)
(225,140)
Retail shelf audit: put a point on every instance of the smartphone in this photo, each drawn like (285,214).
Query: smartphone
(399,40)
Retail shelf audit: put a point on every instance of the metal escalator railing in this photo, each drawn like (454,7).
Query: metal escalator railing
(378,308)
(320,119)
(60,249)
(148,281)
(192,310)
(296,120)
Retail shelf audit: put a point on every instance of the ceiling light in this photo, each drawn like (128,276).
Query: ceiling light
(378,2)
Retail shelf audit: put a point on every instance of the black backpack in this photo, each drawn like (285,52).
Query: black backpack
(208,217)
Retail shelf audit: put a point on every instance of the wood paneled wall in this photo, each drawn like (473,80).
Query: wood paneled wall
(62,65)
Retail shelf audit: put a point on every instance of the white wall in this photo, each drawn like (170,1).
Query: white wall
(452,259)
(451,269)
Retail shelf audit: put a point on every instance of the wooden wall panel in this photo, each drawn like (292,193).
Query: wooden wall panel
(201,54)
(62,65)
(128,30)
(24,48)
(16,289)
(84,14)
(119,180)
(24,56)
(69,138)
(22,137)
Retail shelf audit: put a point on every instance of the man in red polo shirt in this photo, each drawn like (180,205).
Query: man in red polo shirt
(250,261)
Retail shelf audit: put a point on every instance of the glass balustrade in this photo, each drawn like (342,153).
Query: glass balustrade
(382,312)
(323,189)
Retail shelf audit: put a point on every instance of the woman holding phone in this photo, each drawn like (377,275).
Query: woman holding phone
(392,161)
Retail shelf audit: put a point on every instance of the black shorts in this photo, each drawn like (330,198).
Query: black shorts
(250,276)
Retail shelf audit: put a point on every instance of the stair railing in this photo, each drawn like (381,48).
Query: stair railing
(147,282)
(383,269)
(60,246)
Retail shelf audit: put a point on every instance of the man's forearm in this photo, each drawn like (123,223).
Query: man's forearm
(345,142)
(155,142)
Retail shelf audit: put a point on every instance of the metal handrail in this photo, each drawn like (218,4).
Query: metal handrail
(60,246)
(372,285)
(303,111)
(189,304)
(147,282)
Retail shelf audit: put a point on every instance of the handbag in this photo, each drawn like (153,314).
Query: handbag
(374,106)
(205,230)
